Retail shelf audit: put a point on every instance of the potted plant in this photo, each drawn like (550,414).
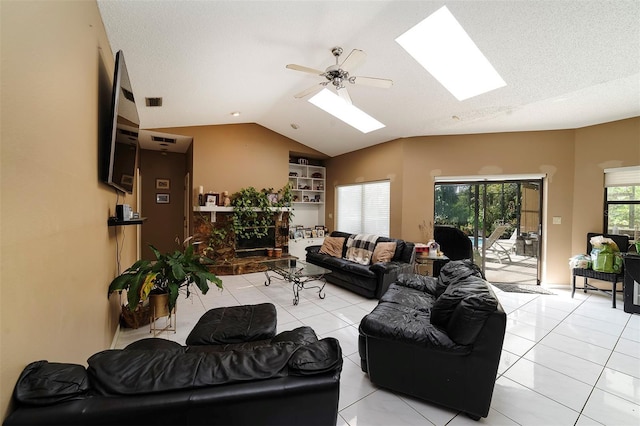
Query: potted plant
(168,274)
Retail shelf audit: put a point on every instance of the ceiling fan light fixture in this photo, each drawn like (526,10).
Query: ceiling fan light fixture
(348,113)
(445,50)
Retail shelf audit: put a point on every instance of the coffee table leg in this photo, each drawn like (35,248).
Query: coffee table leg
(295,285)
(268,281)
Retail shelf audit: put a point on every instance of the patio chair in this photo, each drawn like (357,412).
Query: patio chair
(495,246)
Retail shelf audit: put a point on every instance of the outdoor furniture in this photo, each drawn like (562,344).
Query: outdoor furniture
(622,241)
(492,244)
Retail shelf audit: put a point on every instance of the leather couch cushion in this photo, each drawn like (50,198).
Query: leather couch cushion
(413,298)
(456,271)
(472,314)
(154,343)
(469,317)
(384,252)
(397,322)
(234,324)
(332,246)
(44,383)
(317,357)
(302,336)
(418,282)
(131,372)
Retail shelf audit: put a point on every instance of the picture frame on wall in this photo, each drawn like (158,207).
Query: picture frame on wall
(163,184)
(162,198)
(211,199)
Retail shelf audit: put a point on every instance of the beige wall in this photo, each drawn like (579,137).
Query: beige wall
(572,160)
(57,253)
(232,157)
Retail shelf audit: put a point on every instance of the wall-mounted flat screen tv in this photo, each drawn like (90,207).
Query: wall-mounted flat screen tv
(120,143)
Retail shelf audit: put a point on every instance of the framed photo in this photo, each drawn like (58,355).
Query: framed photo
(163,184)
(298,234)
(320,233)
(162,198)
(126,180)
(307,233)
(314,233)
(211,199)
(319,227)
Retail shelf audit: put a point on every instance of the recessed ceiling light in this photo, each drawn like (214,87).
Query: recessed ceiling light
(236,113)
(443,47)
(294,126)
(336,106)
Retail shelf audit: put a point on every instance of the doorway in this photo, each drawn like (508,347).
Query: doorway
(503,220)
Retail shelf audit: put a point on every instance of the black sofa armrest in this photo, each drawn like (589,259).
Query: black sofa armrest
(388,273)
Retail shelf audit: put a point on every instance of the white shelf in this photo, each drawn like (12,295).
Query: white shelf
(222,209)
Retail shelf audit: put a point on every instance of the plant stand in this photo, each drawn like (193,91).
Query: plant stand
(159,306)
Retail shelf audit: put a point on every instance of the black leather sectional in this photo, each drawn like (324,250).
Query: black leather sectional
(221,378)
(367,280)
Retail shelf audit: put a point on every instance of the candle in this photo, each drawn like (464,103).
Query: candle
(200,189)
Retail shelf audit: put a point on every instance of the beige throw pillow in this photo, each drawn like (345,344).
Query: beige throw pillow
(332,246)
(383,252)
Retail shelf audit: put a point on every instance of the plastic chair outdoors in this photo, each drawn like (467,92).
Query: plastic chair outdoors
(501,248)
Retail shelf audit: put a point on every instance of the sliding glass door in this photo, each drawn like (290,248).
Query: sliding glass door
(503,220)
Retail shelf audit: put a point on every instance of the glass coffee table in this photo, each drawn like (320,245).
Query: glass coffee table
(298,273)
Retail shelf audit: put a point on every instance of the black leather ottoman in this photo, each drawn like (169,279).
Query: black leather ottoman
(235,324)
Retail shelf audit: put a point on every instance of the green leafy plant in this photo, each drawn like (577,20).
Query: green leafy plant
(254,212)
(169,273)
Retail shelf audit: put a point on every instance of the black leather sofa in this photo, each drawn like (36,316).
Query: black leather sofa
(367,280)
(437,339)
(288,379)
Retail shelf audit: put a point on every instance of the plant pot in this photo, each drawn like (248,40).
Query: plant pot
(277,252)
(270,252)
(159,305)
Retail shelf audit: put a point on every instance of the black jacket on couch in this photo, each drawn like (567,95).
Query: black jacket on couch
(437,339)
(367,280)
(290,379)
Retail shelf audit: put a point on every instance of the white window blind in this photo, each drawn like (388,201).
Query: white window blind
(622,176)
(364,208)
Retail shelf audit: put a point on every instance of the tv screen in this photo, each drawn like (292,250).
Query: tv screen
(121,142)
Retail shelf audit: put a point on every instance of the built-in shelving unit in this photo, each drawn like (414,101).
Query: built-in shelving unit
(307,183)
(212,210)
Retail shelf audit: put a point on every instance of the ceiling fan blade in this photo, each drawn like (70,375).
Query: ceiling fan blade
(311,90)
(355,58)
(372,81)
(344,95)
(304,69)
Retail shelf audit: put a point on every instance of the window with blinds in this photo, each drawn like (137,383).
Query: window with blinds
(364,208)
(622,199)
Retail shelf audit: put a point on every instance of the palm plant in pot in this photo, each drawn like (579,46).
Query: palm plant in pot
(168,274)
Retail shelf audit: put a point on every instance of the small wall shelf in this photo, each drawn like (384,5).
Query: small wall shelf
(114,221)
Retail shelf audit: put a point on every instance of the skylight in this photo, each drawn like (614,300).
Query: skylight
(342,110)
(442,47)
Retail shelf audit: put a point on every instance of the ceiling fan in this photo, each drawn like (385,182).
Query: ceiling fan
(338,75)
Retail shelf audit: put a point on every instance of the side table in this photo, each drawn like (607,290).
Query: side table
(430,266)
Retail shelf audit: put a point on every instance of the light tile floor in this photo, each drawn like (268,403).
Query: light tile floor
(565,361)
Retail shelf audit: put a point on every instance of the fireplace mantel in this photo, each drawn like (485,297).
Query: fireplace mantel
(212,210)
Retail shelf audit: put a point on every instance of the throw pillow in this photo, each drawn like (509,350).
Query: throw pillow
(383,252)
(332,246)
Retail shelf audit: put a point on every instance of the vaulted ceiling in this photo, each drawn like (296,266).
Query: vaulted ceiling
(567,64)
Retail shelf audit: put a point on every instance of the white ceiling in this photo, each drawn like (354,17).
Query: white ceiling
(567,64)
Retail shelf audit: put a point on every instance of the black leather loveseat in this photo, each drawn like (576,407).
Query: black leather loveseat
(370,280)
(288,379)
(438,339)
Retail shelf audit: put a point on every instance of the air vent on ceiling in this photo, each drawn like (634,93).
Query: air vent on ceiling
(153,102)
(161,139)
(128,95)
(128,133)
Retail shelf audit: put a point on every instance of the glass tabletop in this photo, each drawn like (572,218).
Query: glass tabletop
(295,267)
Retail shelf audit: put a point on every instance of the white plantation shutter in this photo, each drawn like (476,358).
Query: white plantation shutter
(364,208)
(622,176)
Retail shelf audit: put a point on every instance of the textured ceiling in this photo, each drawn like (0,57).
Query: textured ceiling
(567,64)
